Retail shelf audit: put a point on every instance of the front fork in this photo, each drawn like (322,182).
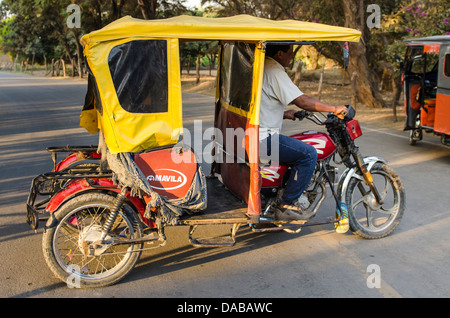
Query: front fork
(367,176)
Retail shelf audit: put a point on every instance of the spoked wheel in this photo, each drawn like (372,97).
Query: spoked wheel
(367,218)
(73,248)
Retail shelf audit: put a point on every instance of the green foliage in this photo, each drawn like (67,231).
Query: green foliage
(401,19)
(39,28)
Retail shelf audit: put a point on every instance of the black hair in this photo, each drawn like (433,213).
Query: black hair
(272,49)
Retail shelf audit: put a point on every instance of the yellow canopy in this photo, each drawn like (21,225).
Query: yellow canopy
(240,27)
(122,55)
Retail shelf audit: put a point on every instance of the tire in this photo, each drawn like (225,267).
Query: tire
(368,219)
(74,226)
(411,141)
(415,136)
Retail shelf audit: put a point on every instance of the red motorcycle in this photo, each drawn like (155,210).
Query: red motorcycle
(372,193)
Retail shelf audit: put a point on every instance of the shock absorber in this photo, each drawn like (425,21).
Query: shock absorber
(118,202)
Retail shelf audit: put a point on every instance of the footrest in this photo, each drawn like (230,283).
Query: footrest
(213,241)
(219,241)
(278,226)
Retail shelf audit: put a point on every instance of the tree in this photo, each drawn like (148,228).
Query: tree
(366,87)
(148,8)
(38,28)
(349,13)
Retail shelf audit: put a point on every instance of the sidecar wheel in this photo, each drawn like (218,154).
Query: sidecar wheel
(367,218)
(71,242)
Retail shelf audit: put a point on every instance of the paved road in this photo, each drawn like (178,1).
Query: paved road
(36,113)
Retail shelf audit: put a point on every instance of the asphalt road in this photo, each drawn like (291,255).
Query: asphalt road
(36,113)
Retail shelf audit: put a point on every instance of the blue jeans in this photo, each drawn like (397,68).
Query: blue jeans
(300,156)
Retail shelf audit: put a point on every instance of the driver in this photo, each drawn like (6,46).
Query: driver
(279,91)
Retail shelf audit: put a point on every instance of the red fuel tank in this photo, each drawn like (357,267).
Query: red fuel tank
(272,176)
(324,145)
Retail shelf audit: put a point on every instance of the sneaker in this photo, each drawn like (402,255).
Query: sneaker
(293,212)
(303,202)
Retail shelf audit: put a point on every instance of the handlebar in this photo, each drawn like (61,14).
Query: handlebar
(307,114)
(302,114)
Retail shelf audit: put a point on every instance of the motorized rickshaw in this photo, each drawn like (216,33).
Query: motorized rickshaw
(426,82)
(105,203)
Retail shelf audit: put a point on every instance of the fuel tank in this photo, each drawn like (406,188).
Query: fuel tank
(324,145)
(272,175)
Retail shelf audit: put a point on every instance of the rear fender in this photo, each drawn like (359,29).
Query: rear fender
(74,159)
(352,172)
(81,186)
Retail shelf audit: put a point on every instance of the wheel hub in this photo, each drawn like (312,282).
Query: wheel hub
(372,202)
(90,241)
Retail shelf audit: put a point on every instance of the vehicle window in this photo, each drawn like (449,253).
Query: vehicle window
(139,73)
(92,98)
(432,62)
(237,74)
(447,65)
(417,65)
(414,59)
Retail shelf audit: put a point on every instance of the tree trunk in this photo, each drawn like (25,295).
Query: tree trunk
(15,62)
(298,72)
(79,52)
(32,63)
(53,67)
(366,85)
(73,66)
(117,8)
(397,87)
(354,89)
(57,67)
(63,63)
(148,8)
(197,68)
(210,64)
(321,79)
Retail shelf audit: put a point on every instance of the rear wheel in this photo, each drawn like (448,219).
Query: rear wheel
(73,248)
(367,218)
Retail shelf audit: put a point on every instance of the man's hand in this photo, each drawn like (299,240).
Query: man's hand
(289,114)
(313,105)
(340,111)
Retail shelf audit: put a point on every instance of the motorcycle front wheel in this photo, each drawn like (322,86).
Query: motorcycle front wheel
(367,218)
(73,249)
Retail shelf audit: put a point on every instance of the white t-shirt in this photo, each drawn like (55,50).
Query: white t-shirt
(278,91)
